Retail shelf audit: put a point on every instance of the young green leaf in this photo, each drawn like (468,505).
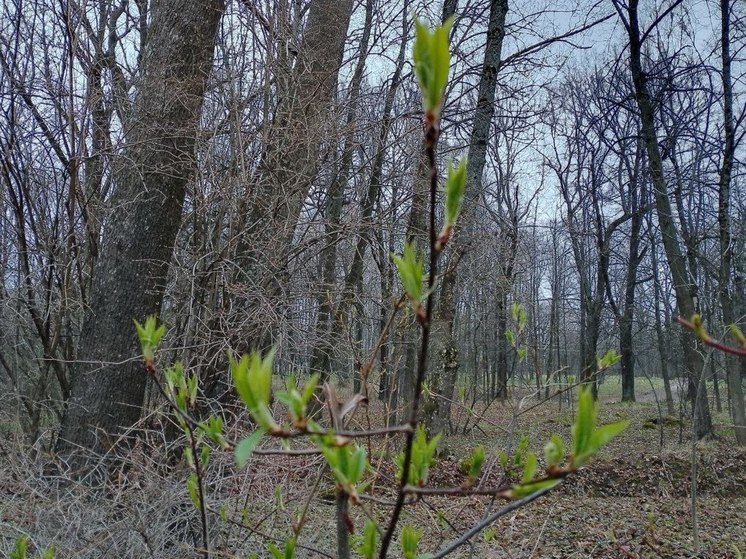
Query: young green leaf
(587,439)
(252,375)
(423,456)
(367,547)
(609,358)
(288,551)
(245,448)
(204,455)
(150,335)
(19,552)
(193,488)
(554,451)
(409,539)
(582,430)
(526,489)
(605,433)
(738,334)
(529,469)
(432,61)
(454,189)
(477,459)
(411,267)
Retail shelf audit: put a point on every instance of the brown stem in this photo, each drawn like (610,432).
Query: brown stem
(432,133)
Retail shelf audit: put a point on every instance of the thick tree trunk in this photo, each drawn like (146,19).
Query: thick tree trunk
(288,167)
(444,349)
(108,382)
(676,262)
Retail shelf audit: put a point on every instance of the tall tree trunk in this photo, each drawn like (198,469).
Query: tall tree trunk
(444,348)
(108,382)
(735,386)
(676,262)
(626,322)
(321,355)
(287,170)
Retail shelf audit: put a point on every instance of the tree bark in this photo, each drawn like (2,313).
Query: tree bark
(289,165)
(444,348)
(324,341)
(735,386)
(108,381)
(676,262)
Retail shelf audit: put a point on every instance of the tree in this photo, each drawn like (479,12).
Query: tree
(289,165)
(676,262)
(150,178)
(725,270)
(444,368)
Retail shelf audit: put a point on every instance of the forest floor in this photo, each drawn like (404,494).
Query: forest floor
(631,501)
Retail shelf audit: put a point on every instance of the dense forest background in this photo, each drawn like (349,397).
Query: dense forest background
(252,195)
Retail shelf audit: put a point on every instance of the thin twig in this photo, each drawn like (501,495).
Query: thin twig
(432,133)
(482,524)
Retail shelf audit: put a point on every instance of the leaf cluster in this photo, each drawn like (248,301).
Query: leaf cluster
(432,61)
(423,457)
(150,335)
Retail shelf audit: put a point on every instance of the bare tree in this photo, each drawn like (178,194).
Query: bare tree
(150,178)
(629,16)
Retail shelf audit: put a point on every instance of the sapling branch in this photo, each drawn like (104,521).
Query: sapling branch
(432,132)
(696,325)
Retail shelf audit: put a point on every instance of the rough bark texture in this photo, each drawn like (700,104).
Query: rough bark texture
(108,381)
(288,168)
(676,262)
(444,348)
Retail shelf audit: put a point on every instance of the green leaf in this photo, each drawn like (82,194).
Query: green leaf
(367,547)
(411,267)
(193,488)
(205,455)
(510,336)
(605,433)
(150,335)
(252,375)
(503,457)
(587,439)
(310,389)
(245,448)
(409,539)
(737,333)
(454,189)
(477,459)
(609,359)
(526,489)
(423,456)
(529,469)
(274,550)
(554,451)
(521,351)
(192,385)
(19,551)
(288,551)
(49,553)
(432,61)
(585,423)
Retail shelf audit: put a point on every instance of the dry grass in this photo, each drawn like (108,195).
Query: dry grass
(631,502)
